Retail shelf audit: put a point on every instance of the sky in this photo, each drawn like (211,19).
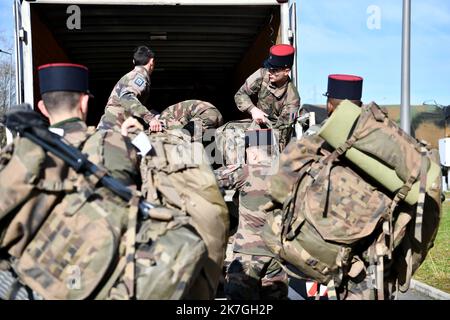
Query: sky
(6,20)
(361,37)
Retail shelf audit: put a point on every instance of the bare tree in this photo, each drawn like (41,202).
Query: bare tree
(7,81)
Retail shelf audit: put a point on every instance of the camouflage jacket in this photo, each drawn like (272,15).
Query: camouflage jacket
(181,113)
(32,181)
(127,99)
(281,104)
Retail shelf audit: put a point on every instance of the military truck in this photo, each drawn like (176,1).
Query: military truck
(204,49)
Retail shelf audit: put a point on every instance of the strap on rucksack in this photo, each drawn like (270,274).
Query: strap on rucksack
(422,194)
(289,213)
(129,276)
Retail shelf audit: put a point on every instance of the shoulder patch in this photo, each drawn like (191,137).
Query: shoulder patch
(139,81)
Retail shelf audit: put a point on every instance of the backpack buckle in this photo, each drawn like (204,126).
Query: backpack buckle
(341,149)
(403,192)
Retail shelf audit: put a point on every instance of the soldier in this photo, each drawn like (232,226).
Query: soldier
(340,87)
(278,99)
(130,94)
(253,273)
(347,87)
(180,114)
(27,171)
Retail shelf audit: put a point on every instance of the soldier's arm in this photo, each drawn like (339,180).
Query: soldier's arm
(251,86)
(129,99)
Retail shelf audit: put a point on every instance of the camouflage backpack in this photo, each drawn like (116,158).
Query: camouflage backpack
(66,229)
(231,141)
(330,221)
(177,175)
(91,244)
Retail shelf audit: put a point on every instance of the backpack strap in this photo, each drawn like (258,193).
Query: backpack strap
(56,186)
(130,236)
(388,229)
(408,273)
(422,193)
(70,183)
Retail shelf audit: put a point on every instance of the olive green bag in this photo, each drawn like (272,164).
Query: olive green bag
(176,174)
(82,238)
(92,245)
(332,221)
(325,217)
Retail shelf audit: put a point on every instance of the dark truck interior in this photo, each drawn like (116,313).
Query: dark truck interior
(202,52)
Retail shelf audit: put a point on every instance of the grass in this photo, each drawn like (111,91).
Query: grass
(435,271)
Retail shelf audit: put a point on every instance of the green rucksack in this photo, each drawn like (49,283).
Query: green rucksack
(332,222)
(92,244)
(176,174)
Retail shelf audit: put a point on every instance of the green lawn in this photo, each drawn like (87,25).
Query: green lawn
(435,271)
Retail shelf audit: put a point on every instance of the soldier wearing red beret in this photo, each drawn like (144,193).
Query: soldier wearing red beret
(278,100)
(253,272)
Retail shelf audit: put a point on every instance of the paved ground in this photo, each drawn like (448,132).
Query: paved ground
(412,294)
(297,289)
(297,292)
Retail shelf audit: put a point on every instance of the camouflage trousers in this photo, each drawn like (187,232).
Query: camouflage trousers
(364,289)
(253,272)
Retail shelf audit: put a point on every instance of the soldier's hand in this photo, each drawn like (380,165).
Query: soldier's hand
(258,115)
(130,125)
(155,124)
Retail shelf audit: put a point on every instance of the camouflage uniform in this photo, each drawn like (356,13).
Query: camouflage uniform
(281,104)
(253,273)
(27,172)
(178,115)
(127,99)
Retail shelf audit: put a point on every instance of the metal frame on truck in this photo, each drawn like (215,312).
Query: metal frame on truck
(24,41)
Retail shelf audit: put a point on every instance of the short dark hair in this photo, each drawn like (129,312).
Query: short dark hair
(57,101)
(142,55)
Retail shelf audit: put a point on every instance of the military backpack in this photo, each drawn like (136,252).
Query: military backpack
(75,240)
(330,221)
(176,174)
